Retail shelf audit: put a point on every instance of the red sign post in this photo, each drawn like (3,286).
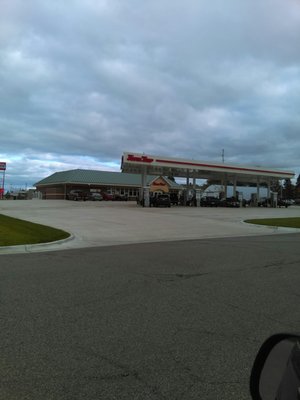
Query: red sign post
(2,168)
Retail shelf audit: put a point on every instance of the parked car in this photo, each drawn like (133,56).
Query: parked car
(283,203)
(77,195)
(246,203)
(120,197)
(174,198)
(264,202)
(230,202)
(160,200)
(209,201)
(107,196)
(95,196)
(290,202)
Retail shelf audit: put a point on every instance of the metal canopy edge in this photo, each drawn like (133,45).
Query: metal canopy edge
(139,162)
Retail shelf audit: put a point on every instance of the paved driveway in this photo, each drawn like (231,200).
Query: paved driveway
(112,223)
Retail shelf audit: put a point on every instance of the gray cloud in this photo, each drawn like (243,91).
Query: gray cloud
(89,80)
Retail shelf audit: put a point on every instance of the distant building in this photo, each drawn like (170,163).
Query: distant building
(59,184)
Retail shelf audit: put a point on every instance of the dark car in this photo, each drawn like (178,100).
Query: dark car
(230,202)
(120,197)
(77,195)
(174,199)
(283,203)
(209,201)
(95,196)
(264,202)
(161,200)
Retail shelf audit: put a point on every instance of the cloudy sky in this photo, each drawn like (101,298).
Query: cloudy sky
(81,81)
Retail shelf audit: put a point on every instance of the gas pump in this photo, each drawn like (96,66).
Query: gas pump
(274,199)
(198,197)
(146,196)
(185,197)
(253,199)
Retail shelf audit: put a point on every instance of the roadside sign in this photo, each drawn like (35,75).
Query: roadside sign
(2,166)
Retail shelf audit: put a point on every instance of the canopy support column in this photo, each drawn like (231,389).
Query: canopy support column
(225,186)
(187,178)
(234,186)
(269,190)
(143,185)
(257,191)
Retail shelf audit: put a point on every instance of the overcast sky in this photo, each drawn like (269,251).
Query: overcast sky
(82,81)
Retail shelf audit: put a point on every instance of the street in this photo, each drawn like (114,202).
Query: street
(174,320)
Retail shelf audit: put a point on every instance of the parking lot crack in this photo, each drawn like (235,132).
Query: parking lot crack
(175,276)
(125,372)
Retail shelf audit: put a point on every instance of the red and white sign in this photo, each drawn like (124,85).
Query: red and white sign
(139,158)
(159,184)
(2,166)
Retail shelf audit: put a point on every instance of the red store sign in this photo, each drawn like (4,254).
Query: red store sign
(144,159)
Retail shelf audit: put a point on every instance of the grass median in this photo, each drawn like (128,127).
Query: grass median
(283,222)
(15,231)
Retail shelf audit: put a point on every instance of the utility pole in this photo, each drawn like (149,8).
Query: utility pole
(223,155)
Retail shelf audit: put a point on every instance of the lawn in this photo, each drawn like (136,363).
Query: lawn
(15,231)
(284,222)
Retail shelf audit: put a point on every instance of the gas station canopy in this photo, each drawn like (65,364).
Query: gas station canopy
(240,175)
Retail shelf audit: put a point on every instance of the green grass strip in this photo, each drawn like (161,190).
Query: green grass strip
(15,231)
(284,222)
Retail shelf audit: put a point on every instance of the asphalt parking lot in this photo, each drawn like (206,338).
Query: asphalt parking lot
(114,223)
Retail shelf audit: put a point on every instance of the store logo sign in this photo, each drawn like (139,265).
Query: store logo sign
(144,159)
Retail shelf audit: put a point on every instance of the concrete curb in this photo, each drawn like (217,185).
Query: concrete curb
(279,229)
(35,248)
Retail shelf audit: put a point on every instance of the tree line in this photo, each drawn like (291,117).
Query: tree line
(287,190)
